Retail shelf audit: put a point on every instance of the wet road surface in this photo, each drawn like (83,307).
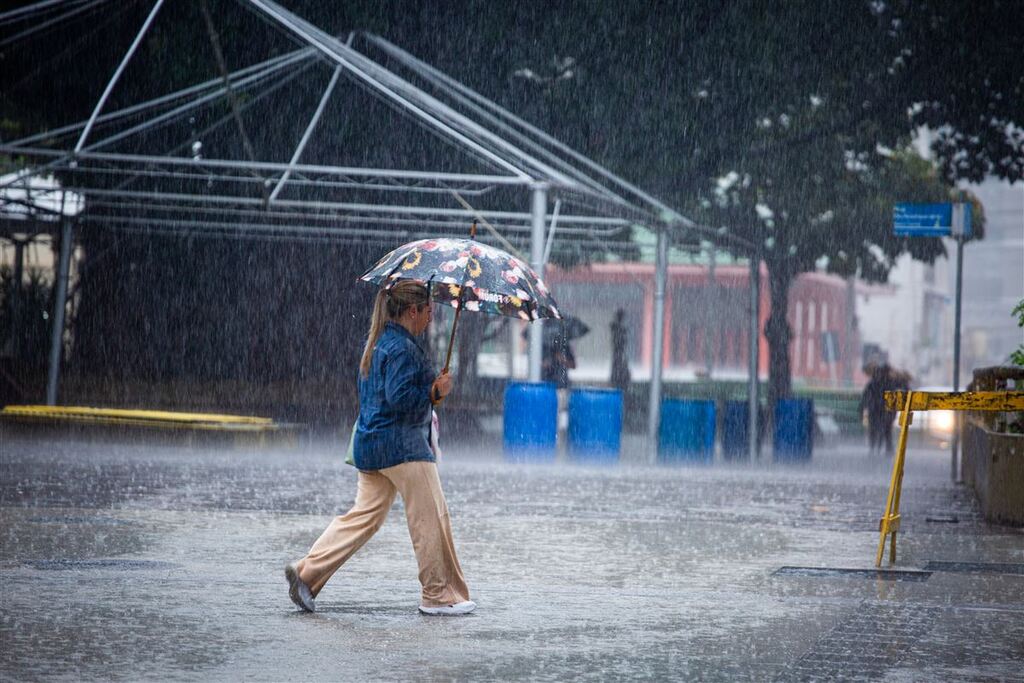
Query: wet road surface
(129,561)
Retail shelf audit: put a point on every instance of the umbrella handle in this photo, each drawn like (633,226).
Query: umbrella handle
(451,339)
(436,398)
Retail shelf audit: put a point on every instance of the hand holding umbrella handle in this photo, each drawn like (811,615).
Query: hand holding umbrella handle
(444,380)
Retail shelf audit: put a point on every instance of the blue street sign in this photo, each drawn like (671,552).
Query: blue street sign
(934,220)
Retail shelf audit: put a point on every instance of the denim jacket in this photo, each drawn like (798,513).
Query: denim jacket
(394,403)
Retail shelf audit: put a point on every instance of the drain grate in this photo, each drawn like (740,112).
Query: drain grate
(839,572)
(943,519)
(976,567)
(127,565)
(864,645)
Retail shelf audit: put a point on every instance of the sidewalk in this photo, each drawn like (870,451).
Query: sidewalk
(137,562)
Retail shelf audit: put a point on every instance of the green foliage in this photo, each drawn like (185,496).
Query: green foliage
(1017,357)
(797,99)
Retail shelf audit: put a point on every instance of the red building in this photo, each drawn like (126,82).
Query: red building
(707,324)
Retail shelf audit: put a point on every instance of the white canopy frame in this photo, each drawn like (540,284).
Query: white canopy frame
(597,203)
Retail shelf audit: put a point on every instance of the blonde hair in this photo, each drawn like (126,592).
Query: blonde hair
(390,304)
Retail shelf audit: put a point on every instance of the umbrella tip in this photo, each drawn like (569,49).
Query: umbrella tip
(472,231)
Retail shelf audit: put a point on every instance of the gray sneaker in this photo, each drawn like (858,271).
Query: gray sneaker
(297,590)
(458,608)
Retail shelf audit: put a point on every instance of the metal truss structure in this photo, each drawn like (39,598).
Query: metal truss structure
(145,167)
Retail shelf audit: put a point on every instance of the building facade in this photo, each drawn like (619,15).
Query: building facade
(707,322)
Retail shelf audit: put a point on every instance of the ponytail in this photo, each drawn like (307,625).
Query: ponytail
(377,320)
(389,304)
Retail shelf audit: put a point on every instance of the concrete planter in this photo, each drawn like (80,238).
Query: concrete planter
(994,466)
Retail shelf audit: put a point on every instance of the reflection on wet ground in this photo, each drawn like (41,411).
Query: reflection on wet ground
(130,561)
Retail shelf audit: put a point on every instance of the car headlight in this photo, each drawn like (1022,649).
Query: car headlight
(942,421)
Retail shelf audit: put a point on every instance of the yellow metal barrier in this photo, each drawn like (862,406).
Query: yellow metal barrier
(142,418)
(909,401)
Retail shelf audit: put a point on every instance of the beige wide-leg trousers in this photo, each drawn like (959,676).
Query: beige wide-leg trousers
(427,514)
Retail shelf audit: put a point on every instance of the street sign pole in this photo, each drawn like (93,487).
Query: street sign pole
(960,229)
(955,441)
(942,220)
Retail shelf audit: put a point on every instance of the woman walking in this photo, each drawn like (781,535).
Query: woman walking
(391,448)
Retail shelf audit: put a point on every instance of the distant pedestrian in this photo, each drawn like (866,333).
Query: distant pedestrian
(880,420)
(620,341)
(557,360)
(896,380)
(391,450)
(872,405)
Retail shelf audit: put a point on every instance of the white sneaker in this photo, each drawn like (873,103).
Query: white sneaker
(450,610)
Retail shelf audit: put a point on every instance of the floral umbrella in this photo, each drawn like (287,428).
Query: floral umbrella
(496,282)
(466,274)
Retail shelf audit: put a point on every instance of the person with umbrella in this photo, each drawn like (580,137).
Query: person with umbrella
(557,356)
(392,453)
(558,359)
(883,378)
(397,389)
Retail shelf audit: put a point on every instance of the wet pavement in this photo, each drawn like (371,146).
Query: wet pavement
(131,561)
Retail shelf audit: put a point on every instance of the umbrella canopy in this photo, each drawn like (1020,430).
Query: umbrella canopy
(568,328)
(495,282)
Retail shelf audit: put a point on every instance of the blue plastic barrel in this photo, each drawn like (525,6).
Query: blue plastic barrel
(794,429)
(531,421)
(735,430)
(595,424)
(687,431)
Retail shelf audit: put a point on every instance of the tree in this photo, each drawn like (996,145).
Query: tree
(958,72)
(811,176)
(843,223)
(799,114)
(790,123)
(1017,357)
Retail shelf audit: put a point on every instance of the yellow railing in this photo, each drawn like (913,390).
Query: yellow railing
(142,418)
(907,402)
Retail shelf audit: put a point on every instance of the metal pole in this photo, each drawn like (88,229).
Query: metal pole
(755,353)
(654,407)
(38,26)
(17,333)
(829,344)
(513,346)
(710,314)
(192,104)
(540,205)
(466,97)
(163,99)
(240,164)
(59,303)
(28,9)
(117,75)
(309,132)
(955,441)
(551,230)
(472,95)
(428,109)
(850,331)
